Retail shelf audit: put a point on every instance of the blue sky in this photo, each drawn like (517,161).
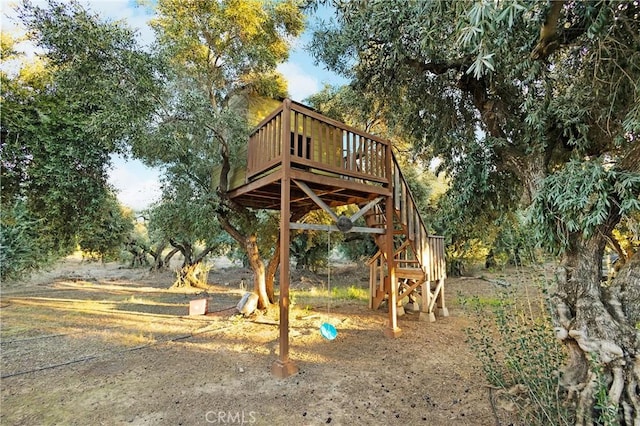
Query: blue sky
(138,185)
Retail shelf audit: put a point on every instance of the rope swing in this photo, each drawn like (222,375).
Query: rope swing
(327,330)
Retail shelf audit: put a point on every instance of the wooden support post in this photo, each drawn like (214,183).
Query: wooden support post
(425,313)
(442,309)
(392,329)
(283,366)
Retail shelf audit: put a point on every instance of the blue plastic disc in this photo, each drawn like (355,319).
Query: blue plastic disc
(328,331)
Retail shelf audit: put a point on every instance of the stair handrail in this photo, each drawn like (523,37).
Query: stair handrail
(418,246)
(397,169)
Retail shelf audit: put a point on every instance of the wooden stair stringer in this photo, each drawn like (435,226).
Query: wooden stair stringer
(419,256)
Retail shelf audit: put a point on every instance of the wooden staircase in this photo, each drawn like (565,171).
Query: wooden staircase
(419,257)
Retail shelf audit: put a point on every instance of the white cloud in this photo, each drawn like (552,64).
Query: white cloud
(301,83)
(135,17)
(137,185)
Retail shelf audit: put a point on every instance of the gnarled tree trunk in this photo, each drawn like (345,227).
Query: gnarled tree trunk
(272,268)
(259,271)
(598,323)
(193,273)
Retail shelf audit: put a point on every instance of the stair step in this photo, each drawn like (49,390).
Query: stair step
(410,273)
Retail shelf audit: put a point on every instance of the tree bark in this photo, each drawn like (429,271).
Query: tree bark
(272,267)
(598,328)
(259,272)
(167,259)
(274,262)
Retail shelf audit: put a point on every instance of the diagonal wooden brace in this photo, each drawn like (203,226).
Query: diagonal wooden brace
(316,199)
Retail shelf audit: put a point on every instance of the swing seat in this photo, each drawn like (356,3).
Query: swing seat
(328,331)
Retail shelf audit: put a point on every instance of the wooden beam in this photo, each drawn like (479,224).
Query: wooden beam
(391,329)
(316,199)
(321,227)
(283,367)
(276,175)
(339,183)
(365,209)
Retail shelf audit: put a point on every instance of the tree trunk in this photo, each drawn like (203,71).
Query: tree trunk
(603,372)
(193,275)
(274,262)
(167,259)
(259,273)
(272,267)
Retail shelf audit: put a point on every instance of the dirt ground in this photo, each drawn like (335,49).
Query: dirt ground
(93,344)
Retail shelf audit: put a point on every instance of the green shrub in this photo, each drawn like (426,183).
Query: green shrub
(350,293)
(520,356)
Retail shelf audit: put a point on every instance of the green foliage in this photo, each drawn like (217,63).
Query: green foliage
(520,356)
(473,213)
(21,248)
(62,117)
(358,248)
(606,410)
(347,106)
(459,83)
(349,293)
(514,243)
(310,248)
(104,233)
(102,78)
(214,57)
(578,199)
(307,252)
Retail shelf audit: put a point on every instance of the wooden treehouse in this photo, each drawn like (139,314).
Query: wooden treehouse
(299,161)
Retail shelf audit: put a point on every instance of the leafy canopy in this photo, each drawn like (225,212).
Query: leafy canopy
(502,95)
(62,118)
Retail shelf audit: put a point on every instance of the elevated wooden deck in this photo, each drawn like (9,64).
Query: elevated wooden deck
(339,163)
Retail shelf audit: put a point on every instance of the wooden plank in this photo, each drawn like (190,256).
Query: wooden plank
(435,294)
(392,329)
(274,142)
(426,297)
(408,289)
(339,183)
(397,190)
(365,209)
(283,367)
(341,171)
(403,205)
(295,106)
(410,273)
(372,280)
(316,199)
(333,228)
(256,184)
(264,168)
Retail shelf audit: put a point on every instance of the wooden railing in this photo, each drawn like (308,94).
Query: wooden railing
(315,143)
(427,249)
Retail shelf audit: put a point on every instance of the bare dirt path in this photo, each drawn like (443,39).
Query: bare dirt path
(99,344)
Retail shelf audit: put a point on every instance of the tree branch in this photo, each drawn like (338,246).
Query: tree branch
(551,39)
(204,254)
